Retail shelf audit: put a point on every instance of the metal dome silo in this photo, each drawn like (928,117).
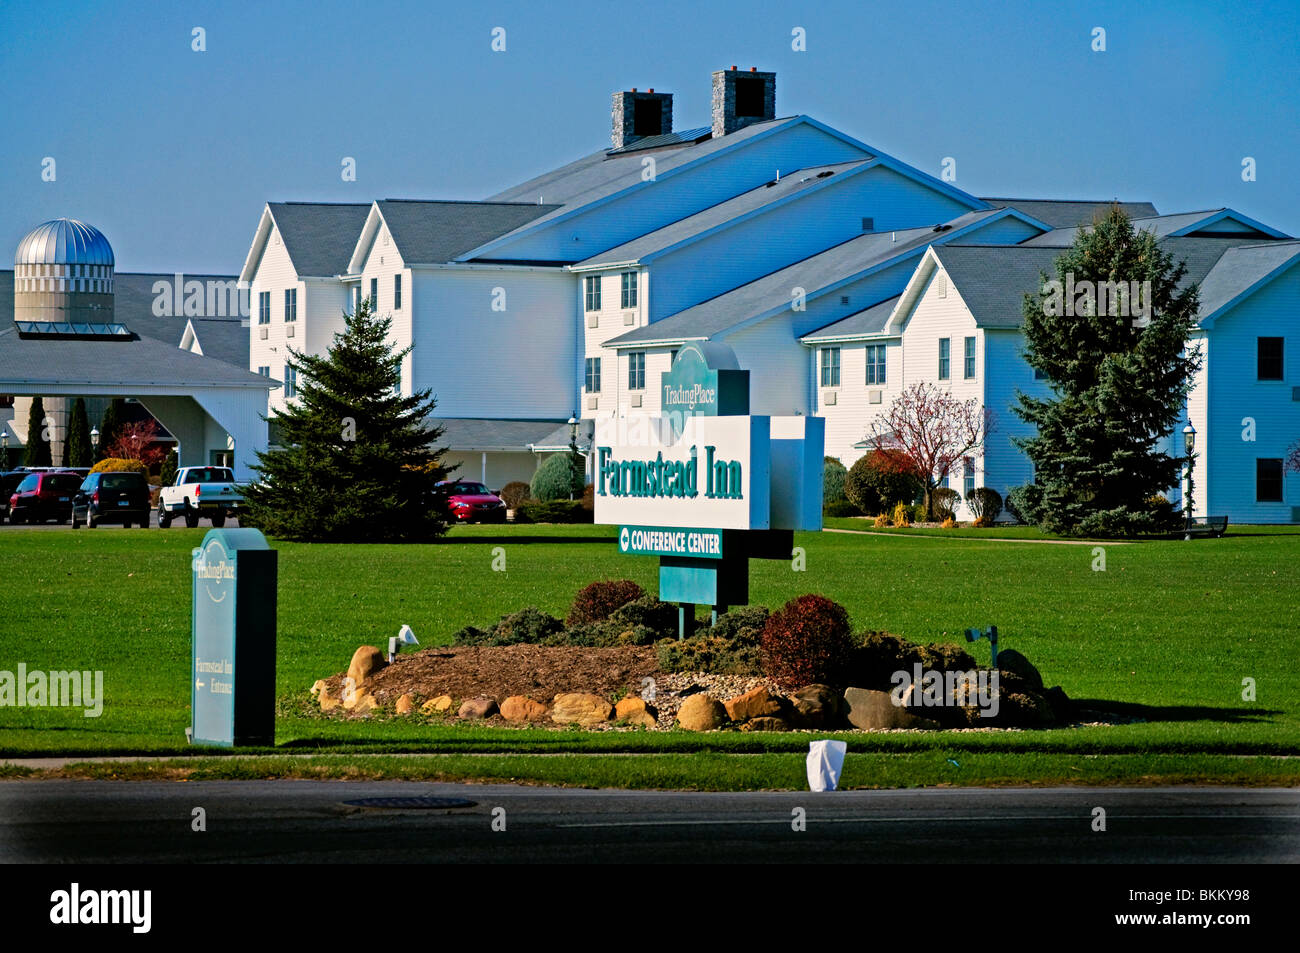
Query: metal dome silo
(63,272)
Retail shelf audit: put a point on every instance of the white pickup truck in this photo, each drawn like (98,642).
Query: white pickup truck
(198,492)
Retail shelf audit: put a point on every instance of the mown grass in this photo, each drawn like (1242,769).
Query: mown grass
(1170,628)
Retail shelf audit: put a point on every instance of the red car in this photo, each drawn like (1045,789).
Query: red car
(469,502)
(44,496)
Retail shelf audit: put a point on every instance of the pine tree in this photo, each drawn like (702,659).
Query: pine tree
(359,461)
(167,474)
(77,448)
(110,426)
(38,442)
(1119,377)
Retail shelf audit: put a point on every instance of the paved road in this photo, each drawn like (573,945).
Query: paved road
(306,821)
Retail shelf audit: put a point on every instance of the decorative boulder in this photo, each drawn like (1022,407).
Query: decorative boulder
(405,704)
(439,704)
(765,723)
(581,708)
(756,703)
(870,710)
(635,711)
(1009,660)
(328,702)
(819,706)
(701,713)
(480,707)
(522,708)
(366,661)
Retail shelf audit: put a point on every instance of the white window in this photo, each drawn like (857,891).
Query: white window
(830,357)
(290,382)
(875,363)
(593,292)
(636,370)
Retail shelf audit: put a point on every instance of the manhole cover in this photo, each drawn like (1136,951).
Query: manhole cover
(410,803)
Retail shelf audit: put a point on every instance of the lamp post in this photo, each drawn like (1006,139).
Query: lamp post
(4,439)
(94,441)
(573,454)
(1189,445)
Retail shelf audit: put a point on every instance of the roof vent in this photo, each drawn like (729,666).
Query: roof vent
(941,228)
(868,224)
(826,174)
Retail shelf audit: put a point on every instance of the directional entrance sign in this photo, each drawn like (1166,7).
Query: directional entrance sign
(232,675)
(659,541)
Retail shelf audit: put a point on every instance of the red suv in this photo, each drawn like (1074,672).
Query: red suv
(43,496)
(468,502)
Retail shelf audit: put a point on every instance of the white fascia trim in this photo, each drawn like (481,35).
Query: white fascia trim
(911,292)
(1207,322)
(366,239)
(850,338)
(604,266)
(660,342)
(777,127)
(1233,214)
(260,238)
(476,266)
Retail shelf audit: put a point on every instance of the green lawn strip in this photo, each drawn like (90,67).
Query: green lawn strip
(714,771)
(1169,626)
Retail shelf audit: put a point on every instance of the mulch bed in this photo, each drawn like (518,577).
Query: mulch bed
(540,672)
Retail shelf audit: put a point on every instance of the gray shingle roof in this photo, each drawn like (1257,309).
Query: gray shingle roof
(1240,268)
(870,320)
(139,360)
(1066,213)
(319,236)
(836,264)
(480,433)
(434,232)
(701,222)
(222,340)
(663,141)
(133,300)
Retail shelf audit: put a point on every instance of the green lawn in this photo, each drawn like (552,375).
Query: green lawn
(1170,629)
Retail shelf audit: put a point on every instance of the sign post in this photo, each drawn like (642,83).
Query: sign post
(706,486)
(232,675)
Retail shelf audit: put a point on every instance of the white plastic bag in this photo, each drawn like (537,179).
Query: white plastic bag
(825,759)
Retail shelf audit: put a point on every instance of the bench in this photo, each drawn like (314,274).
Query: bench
(1207,526)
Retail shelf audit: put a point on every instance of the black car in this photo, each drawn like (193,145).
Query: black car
(8,483)
(112,498)
(43,496)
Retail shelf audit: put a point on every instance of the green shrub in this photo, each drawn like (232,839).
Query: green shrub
(841,508)
(985,502)
(943,501)
(807,640)
(471,635)
(876,657)
(514,493)
(744,625)
(557,511)
(713,654)
(833,476)
(596,601)
(648,612)
(918,513)
(118,465)
(1023,503)
(530,625)
(553,480)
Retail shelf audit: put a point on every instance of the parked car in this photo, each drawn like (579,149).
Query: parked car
(112,498)
(197,492)
(467,502)
(43,496)
(8,483)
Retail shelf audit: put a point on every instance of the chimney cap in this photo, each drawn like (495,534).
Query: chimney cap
(753,69)
(733,69)
(634,89)
(652,89)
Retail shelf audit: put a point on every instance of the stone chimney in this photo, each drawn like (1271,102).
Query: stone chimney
(742,98)
(638,115)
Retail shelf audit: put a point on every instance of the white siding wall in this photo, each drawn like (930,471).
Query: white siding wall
(519,363)
(849,419)
(274,273)
(382,264)
(611,320)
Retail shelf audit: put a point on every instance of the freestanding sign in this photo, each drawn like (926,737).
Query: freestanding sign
(232,675)
(705,486)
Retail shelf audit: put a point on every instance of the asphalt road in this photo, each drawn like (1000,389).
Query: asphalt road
(307,821)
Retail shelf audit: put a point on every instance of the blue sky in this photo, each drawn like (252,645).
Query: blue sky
(172,153)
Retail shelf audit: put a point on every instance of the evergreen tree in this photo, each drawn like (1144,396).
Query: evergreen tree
(359,461)
(38,442)
(110,426)
(77,448)
(167,474)
(1119,367)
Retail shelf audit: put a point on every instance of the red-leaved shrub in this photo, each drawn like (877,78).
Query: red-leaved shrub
(595,602)
(807,641)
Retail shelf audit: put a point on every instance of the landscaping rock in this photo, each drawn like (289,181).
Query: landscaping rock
(756,703)
(405,704)
(819,706)
(318,687)
(701,713)
(581,708)
(328,702)
(522,708)
(361,703)
(1059,702)
(635,711)
(1009,660)
(441,703)
(366,661)
(1029,710)
(764,723)
(870,709)
(480,707)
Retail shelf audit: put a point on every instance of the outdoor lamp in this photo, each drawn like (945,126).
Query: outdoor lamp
(94,437)
(404,637)
(1189,439)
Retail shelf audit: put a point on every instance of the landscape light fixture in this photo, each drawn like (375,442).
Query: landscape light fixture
(94,437)
(4,440)
(404,637)
(974,635)
(1189,445)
